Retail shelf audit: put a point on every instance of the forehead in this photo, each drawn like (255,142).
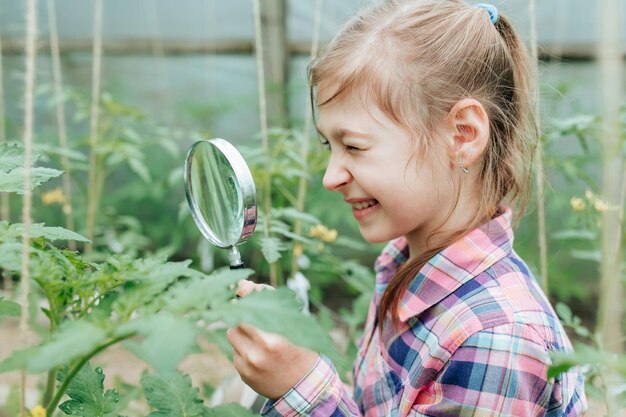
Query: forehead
(350,110)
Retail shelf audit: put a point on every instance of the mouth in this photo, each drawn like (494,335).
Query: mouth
(364,208)
(361,205)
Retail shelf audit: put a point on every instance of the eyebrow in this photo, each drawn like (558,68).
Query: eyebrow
(341,133)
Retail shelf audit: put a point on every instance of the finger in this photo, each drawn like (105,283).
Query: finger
(248,330)
(239,340)
(240,364)
(244,288)
(265,341)
(248,354)
(261,287)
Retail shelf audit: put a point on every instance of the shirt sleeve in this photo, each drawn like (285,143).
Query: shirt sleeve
(497,372)
(319,394)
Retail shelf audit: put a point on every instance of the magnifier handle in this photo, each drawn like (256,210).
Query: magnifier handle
(238,266)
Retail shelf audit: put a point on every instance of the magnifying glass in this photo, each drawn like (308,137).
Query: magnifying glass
(221,195)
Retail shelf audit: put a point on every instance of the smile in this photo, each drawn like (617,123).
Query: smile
(363,209)
(364,204)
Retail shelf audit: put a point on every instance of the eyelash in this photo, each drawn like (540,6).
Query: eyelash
(349,148)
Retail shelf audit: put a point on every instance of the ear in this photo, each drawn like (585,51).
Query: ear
(468,125)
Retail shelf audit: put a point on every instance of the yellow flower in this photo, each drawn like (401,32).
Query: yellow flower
(52,197)
(330,236)
(38,411)
(589,194)
(600,205)
(323,233)
(317,230)
(578,204)
(297,250)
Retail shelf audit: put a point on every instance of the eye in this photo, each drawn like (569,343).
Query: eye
(325,143)
(351,148)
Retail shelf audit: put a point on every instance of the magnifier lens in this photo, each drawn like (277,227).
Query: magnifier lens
(217,195)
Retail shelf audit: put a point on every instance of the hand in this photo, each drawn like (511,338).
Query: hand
(256,354)
(267,362)
(245,287)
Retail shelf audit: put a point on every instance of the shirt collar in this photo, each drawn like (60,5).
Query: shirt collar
(449,269)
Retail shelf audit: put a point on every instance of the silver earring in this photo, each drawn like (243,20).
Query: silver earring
(463,167)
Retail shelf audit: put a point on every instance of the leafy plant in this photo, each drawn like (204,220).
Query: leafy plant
(604,370)
(157,308)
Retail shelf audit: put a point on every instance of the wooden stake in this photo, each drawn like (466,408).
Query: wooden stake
(302,182)
(93,192)
(539,168)
(60,113)
(611,310)
(31,44)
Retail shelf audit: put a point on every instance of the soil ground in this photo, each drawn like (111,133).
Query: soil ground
(209,366)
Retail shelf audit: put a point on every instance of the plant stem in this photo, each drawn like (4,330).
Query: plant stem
(68,378)
(539,168)
(93,136)
(60,113)
(52,374)
(610,308)
(302,182)
(4,197)
(29,108)
(267,178)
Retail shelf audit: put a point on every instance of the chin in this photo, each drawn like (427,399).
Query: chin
(373,237)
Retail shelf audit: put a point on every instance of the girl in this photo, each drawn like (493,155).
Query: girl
(426,107)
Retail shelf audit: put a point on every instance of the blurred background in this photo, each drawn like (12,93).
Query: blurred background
(168,73)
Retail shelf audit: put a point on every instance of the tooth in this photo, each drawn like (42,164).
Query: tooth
(358,206)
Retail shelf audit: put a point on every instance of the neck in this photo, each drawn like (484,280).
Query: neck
(447,229)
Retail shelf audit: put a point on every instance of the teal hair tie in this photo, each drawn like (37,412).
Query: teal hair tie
(492,10)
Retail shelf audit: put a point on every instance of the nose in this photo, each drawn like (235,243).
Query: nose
(337,175)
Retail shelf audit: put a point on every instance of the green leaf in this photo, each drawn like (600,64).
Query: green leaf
(200,292)
(575,234)
(586,355)
(149,278)
(18,359)
(564,312)
(587,255)
(295,214)
(271,247)
(277,312)
(11,256)
(166,340)
(56,150)
(139,168)
(349,243)
(172,395)
(13,181)
(218,338)
(229,410)
(9,308)
(40,230)
(11,156)
(577,123)
(88,398)
(72,340)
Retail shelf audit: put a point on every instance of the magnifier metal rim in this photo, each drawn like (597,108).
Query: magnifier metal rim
(245,182)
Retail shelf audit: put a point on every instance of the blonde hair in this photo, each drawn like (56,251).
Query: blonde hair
(416,59)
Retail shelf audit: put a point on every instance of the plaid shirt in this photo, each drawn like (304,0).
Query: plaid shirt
(475,340)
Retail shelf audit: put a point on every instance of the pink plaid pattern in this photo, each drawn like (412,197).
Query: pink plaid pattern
(475,341)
